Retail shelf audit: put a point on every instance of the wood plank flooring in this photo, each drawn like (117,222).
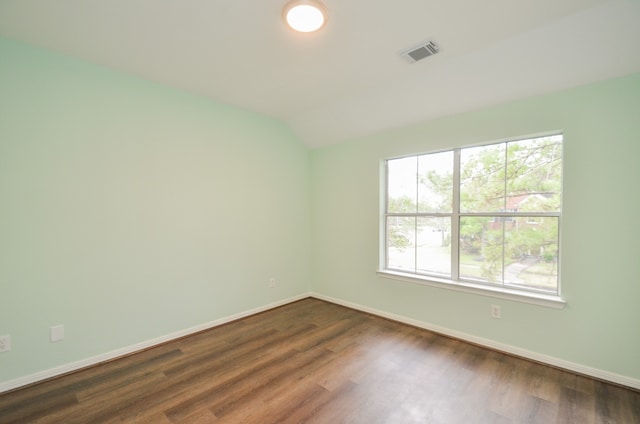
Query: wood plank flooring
(316,362)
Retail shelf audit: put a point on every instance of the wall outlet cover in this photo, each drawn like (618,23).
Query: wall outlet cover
(57,333)
(496,311)
(5,343)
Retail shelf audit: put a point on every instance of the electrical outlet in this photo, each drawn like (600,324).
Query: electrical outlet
(57,333)
(496,312)
(5,343)
(272,282)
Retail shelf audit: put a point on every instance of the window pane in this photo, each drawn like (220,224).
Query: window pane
(531,253)
(481,249)
(434,246)
(402,185)
(534,175)
(435,177)
(482,184)
(401,243)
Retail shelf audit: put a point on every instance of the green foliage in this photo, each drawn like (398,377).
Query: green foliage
(440,189)
(400,232)
(482,176)
(398,239)
(471,230)
(401,204)
(492,253)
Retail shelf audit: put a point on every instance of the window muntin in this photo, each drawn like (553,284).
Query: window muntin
(497,225)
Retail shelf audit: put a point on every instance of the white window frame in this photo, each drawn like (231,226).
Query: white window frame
(455,282)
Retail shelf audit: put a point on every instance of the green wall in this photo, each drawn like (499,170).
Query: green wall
(130,210)
(600,326)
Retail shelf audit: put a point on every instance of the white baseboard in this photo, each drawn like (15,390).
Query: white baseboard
(534,356)
(64,369)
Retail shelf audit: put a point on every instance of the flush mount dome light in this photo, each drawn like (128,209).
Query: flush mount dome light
(305,15)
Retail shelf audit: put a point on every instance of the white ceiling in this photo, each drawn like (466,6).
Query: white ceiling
(347,80)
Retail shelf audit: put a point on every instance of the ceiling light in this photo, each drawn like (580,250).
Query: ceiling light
(305,15)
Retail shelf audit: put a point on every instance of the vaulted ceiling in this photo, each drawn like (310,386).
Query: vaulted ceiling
(349,79)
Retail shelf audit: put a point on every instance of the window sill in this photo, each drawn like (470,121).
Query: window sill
(549,301)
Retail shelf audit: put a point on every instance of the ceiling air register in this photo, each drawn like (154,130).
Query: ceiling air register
(422,51)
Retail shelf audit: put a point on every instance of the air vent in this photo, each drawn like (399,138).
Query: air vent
(422,51)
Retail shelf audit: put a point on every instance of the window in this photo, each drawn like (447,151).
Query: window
(486,216)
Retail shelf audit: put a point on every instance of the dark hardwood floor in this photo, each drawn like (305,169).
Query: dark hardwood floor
(316,362)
